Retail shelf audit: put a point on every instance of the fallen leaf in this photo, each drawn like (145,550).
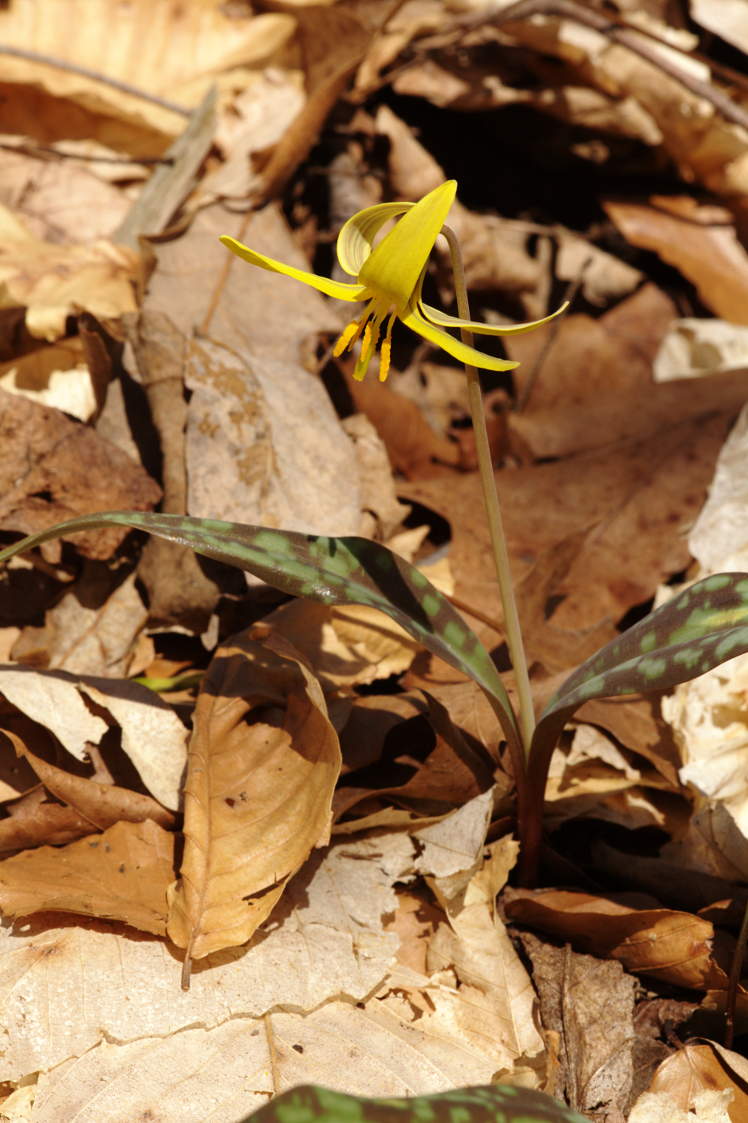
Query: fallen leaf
(701,348)
(60,200)
(56,376)
(589,1003)
(315,950)
(53,281)
(35,819)
(729,21)
(594,387)
(697,1067)
(175,55)
(252,397)
(45,454)
(709,254)
(628,503)
(101,804)
(674,947)
(91,630)
(262,765)
(121,874)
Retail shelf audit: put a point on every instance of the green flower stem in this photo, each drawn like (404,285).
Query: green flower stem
(493,511)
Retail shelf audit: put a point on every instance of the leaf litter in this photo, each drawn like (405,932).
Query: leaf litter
(335,858)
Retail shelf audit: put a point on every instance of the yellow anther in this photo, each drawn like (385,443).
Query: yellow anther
(348,336)
(384,359)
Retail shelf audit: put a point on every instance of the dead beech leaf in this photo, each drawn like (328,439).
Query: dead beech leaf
(35,819)
(53,281)
(102,805)
(53,468)
(329,944)
(708,253)
(589,1003)
(675,947)
(700,1066)
(121,874)
(262,765)
(346,645)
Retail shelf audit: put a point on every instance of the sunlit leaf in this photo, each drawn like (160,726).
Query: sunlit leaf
(497,1103)
(332,570)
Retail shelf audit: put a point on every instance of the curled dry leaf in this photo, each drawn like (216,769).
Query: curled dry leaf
(53,281)
(707,252)
(704,1066)
(35,819)
(121,874)
(262,765)
(53,468)
(102,805)
(675,947)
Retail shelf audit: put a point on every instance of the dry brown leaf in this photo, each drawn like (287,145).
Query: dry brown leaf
(91,630)
(251,452)
(262,765)
(53,281)
(594,387)
(328,943)
(589,1003)
(121,874)
(347,645)
(60,200)
(35,819)
(672,946)
(637,724)
(443,769)
(102,805)
(629,505)
(56,376)
(699,1066)
(175,52)
(708,253)
(44,454)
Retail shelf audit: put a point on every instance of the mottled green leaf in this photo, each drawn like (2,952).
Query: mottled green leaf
(698,629)
(331,570)
(497,1103)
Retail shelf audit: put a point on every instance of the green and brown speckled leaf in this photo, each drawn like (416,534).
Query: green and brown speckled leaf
(698,629)
(332,570)
(498,1103)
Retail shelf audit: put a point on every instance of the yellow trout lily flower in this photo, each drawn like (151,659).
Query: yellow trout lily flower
(389,277)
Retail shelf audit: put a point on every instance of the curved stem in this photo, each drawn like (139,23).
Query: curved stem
(493,514)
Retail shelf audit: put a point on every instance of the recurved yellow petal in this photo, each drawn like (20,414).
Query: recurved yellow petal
(394,266)
(356,237)
(413,319)
(443,319)
(341,290)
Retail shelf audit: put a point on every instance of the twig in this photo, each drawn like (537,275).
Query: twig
(86,157)
(86,72)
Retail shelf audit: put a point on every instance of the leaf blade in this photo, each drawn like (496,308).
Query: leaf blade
(346,570)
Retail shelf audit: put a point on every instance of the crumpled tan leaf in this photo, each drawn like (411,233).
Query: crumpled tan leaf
(327,942)
(53,281)
(263,761)
(121,874)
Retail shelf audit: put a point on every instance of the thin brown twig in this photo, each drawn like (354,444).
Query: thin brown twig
(86,157)
(95,75)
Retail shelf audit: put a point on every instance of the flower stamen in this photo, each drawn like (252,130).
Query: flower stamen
(385,353)
(348,336)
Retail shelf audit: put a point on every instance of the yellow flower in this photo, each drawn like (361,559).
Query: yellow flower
(389,277)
